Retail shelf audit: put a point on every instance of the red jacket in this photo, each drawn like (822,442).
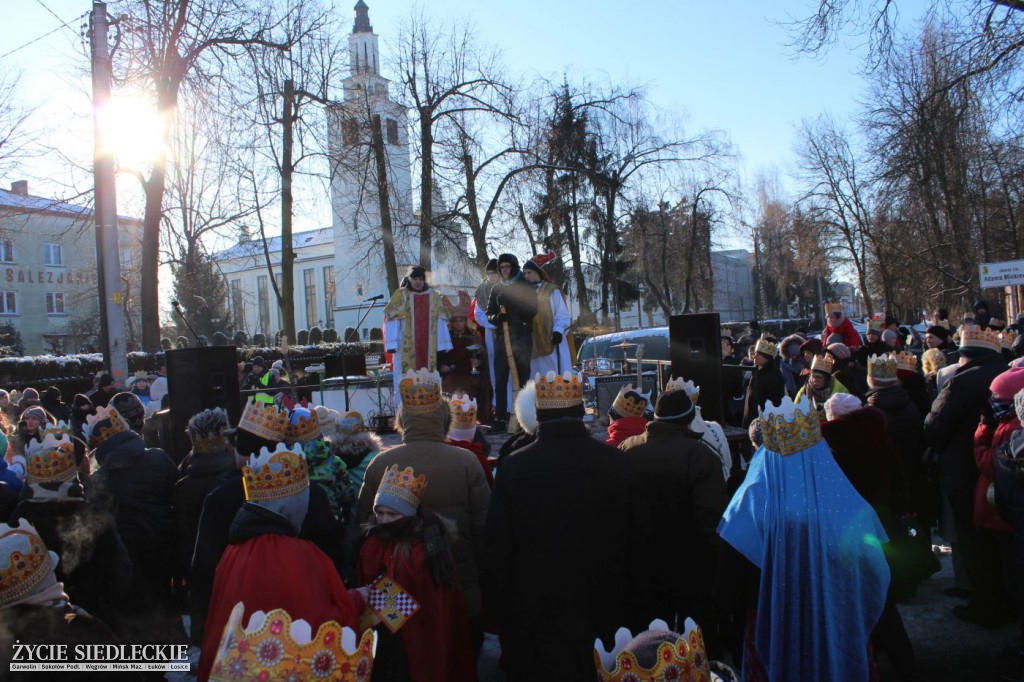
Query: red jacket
(478,450)
(850,336)
(626,427)
(987,441)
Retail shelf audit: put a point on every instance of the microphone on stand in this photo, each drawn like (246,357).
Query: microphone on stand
(181,314)
(374,298)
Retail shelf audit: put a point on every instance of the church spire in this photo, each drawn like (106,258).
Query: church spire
(362,24)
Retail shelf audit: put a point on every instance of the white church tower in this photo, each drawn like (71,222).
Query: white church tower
(358,249)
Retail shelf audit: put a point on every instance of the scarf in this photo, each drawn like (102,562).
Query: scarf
(1001,409)
(436,546)
(543,321)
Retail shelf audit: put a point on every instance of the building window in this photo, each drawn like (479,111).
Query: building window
(309,279)
(237,304)
(263,293)
(349,132)
(52,254)
(277,279)
(392,126)
(329,291)
(359,289)
(126,259)
(366,333)
(54,303)
(6,251)
(8,303)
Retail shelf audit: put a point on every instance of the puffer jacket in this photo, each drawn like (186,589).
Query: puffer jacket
(203,473)
(904,425)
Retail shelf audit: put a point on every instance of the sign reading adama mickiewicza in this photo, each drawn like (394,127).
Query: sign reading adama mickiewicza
(1005,274)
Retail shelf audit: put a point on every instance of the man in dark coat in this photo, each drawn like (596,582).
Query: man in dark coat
(682,495)
(513,302)
(949,431)
(559,546)
(104,391)
(766,382)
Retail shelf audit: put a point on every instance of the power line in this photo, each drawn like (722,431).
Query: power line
(63,24)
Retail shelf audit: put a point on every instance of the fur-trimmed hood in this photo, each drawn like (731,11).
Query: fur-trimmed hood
(526,407)
(355,444)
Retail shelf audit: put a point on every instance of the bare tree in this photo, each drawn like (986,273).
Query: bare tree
(17,137)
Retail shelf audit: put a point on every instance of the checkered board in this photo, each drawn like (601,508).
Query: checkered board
(391,603)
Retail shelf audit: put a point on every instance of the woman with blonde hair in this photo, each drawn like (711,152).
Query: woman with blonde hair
(932,360)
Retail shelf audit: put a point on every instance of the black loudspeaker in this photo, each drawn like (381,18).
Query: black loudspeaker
(608,387)
(199,379)
(696,350)
(344,366)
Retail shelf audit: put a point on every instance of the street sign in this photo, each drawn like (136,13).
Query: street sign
(1004,274)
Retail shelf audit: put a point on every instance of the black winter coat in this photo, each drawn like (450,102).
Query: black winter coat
(766,383)
(1009,486)
(94,563)
(949,427)
(519,298)
(902,421)
(202,475)
(219,511)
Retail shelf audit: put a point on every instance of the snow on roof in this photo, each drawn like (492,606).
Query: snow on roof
(22,202)
(254,247)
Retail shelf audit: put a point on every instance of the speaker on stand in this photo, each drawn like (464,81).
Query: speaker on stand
(199,379)
(696,353)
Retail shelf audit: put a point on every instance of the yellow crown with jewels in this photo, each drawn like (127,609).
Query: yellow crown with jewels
(51,460)
(833,307)
(875,325)
(58,430)
(558,391)
(767,347)
(275,474)
(882,367)
(100,432)
(630,402)
(976,337)
(823,363)
(403,484)
(680,658)
(996,324)
(420,390)
(276,648)
(303,426)
(680,384)
(265,420)
(790,427)
(1007,338)
(464,410)
(24,561)
(905,360)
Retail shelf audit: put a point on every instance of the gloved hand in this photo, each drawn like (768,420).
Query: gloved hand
(556,338)
(502,317)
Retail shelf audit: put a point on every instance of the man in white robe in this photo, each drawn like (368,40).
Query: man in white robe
(550,347)
(415,327)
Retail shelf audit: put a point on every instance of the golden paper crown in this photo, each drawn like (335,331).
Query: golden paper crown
(51,460)
(1007,338)
(265,420)
(680,658)
(403,484)
(996,324)
(302,429)
(766,347)
(276,474)
(680,384)
(556,391)
(58,430)
(24,561)
(464,410)
(905,360)
(976,337)
(882,367)
(420,390)
(99,434)
(141,375)
(823,363)
(630,402)
(208,442)
(790,427)
(274,649)
(833,307)
(875,324)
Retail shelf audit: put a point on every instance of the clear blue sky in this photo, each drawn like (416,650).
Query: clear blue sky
(724,63)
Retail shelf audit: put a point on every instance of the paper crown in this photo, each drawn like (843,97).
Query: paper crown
(766,347)
(99,433)
(277,474)
(542,259)
(403,484)
(973,336)
(630,402)
(823,363)
(24,561)
(141,375)
(303,426)
(882,367)
(680,384)
(464,411)
(996,324)
(874,325)
(58,431)
(460,309)
(420,390)
(265,420)
(556,391)
(833,307)
(790,427)
(1007,339)
(351,423)
(905,360)
(51,460)
(274,647)
(680,658)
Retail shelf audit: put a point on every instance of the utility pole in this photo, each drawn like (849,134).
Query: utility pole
(108,265)
(287,252)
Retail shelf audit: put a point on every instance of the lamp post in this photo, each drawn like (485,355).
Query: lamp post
(639,301)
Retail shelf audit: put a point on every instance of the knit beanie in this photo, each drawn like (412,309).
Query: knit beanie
(131,408)
(41,415)
(941,332)
(492,265)
(29,395)
(811,346)
(1008,384)
(674,407)
(1018,405)
(834,339)
(889,337)
(840,351)
(840,405)
(5,397)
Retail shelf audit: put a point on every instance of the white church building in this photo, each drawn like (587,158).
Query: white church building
(339,274)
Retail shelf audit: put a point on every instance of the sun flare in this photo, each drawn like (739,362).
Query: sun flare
(132,130)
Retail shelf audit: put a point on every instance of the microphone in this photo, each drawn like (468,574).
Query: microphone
(374,298)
